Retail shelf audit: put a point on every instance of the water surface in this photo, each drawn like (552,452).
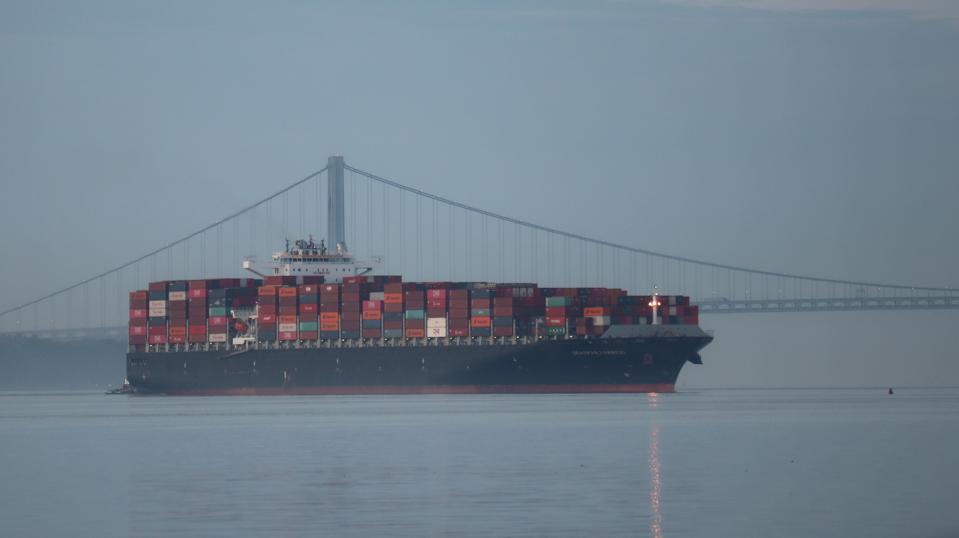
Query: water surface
(853,462)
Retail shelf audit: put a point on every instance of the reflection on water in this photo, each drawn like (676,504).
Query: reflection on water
(656,519)
(740,463)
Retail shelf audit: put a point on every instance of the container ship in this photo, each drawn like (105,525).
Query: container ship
(318,321)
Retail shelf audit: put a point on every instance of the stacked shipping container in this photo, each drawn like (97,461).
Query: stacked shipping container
(304,309)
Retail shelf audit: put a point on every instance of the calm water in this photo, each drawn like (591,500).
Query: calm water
(699,463)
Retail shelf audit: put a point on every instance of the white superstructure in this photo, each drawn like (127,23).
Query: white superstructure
(306,258)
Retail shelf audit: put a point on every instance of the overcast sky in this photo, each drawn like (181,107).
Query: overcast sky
(795,135)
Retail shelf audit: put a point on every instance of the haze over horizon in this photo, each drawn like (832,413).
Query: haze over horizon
(800,136)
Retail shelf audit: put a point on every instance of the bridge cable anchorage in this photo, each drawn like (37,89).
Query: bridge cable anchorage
(172,244)
(609,244)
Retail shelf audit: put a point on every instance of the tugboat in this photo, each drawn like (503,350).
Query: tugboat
(124,388)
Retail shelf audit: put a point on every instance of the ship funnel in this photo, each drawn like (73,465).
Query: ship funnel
(335,223)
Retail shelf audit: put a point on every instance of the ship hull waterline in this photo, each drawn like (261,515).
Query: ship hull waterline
(615,365)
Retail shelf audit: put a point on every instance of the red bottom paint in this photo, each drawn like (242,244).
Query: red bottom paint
(436,389)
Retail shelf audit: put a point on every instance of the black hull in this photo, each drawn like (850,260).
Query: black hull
(596,365)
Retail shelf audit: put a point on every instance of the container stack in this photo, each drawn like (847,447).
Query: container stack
(267,314)
(196,311)
(414,313)
(138,318)
(393,310)
(502,313)
(301,309)
(177,311)
(349,318)
(558,311)
(218,319)
(436,310)
(330,312)
(372,319)
(288,306)
(480,312)
(459,313)
(309,311)
(156,312)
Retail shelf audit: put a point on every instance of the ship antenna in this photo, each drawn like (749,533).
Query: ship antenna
(654,304)
(287,244)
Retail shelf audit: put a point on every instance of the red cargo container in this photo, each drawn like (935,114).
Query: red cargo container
(372,333)
(287,336)
(178,330)
(157,339)
(287,310)
(157,286)
(454,332)
(415,333)
(556,311)
(138,330)
(138,296)
(502,331)
(479,303)
(480,322)
(138,313)
(555,322)
(308,308)
(372,314)
(310,335)
(156,329)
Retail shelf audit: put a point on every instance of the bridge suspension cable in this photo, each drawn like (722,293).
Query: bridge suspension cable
(168,246)
(462,232)
(636,250)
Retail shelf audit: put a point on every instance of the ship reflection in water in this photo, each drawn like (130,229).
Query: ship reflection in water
(655,483)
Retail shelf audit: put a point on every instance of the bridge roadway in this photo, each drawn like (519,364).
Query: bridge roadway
(706,307)
(744,306)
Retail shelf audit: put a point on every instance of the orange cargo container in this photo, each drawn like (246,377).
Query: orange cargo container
(287,319)
(480,322)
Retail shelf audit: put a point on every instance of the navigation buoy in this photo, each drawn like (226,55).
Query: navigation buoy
(890,390)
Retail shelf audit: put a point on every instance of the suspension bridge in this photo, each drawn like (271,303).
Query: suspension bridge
(423,236)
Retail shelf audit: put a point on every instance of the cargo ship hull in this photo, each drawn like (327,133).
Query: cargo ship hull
(599,365)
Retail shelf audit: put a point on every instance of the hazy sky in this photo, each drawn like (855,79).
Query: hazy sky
(786,135)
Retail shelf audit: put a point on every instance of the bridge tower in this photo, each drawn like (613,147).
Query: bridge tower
(335,227)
